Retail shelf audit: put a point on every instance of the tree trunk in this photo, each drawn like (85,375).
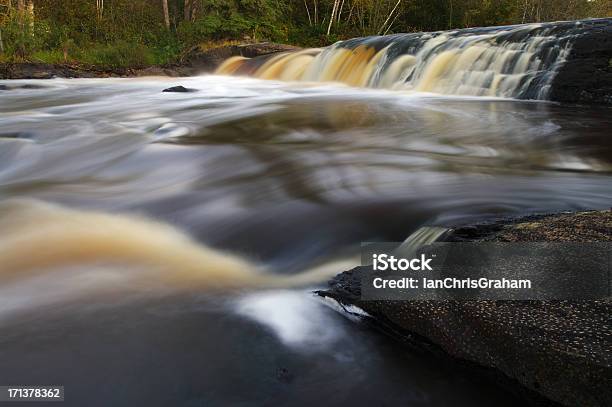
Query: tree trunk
(333,13)
(308,12)
(187,10)
(380,31)
(31,16)
(99,9)
(339,16)
(166,14)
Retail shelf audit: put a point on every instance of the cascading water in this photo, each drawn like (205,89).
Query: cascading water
(511,61)
(170,241)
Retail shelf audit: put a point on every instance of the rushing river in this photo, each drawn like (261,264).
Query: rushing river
(120,204)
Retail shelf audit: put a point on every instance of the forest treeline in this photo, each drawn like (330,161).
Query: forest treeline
(144,32)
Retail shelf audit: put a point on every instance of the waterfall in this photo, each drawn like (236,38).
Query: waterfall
(421,237)
(511,61)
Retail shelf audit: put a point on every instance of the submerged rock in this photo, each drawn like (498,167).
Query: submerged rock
(557,351)
(179,89)
(28,86)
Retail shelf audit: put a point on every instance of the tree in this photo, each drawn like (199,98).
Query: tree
(333,13)
(31,16)
(187,10)
(166,14)
(99,9)
(4,13)
(392,21)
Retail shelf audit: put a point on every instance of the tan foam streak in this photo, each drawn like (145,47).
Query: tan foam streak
(485,64)
(230,65)
(38,238)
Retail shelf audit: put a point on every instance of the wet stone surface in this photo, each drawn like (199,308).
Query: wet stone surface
(550,351)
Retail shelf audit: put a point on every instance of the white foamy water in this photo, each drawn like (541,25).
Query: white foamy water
(518,61)
(253,183)
(41,241)
(295,317)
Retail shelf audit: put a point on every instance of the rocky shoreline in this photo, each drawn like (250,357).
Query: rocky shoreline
(549,352)
(194,62)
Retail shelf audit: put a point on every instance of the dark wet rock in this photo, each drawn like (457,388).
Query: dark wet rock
(30,86)
(198,60)
(159,71)
(578,227)
(550,352)
(586,76)
(284,375)
(49,71)
(180,89)
(24,86)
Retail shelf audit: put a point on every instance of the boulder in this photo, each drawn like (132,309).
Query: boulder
(586,76)
(179,89)
(550,352)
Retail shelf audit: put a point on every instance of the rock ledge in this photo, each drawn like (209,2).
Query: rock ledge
(551,352)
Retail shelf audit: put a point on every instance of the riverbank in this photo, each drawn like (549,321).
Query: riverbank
(194,62)
(571,66)
(550,352)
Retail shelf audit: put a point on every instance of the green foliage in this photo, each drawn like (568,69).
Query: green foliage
(117,55)
(20,36)
(48,57)
(239,19)
(133,33)
(214,27)
(165,53)
(311,36)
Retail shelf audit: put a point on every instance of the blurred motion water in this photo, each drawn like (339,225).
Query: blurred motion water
(287,176)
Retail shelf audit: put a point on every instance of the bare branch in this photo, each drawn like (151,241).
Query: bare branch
(389,17)
(308,12)
(331,18)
